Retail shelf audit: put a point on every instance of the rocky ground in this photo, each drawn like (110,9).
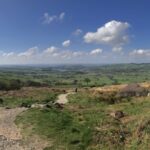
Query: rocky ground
(10,135)
(10,144)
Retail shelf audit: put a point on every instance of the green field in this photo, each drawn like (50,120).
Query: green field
(75,75)
(85,122)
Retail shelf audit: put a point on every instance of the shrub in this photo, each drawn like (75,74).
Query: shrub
(13,84)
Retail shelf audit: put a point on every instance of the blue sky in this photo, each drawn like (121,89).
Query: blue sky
(74,31)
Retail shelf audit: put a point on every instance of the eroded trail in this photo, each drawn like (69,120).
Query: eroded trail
(10,135)
(7,125)
(62,98)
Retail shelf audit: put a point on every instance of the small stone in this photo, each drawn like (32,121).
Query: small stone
(117,114)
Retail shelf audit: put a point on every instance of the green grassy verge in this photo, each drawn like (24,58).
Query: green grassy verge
(21,100)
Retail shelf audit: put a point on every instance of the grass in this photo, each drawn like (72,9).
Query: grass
(58,126)
(27,97)
(85,124)
(137,122)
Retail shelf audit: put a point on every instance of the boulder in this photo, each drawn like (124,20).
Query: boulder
(117,114)
(37,106)
(59,106)
(132,90)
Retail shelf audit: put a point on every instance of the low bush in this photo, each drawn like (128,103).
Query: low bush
(13,84)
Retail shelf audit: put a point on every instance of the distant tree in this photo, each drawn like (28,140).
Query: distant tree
(33,83)
(3,85)
(87,80)
(15,84)
(115,82)
(1,101)
(75,82)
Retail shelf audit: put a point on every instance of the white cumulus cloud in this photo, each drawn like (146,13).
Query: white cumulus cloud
(8,54)
(66,43)
(54,55)
(96,51)
(30,52)
(113,33)
(140,52)
(51,50)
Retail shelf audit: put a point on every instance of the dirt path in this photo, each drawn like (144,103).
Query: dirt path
(7,125)
(10,135)
(62,98)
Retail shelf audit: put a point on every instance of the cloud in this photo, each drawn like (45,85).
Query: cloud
(51,50)
(62,16)
(47,19)
(55,55)
(78,54)
(113,33)
(117,49)
(66,43)
(8,54)
(77,32)
(140,52)
(96,51)
(30,52)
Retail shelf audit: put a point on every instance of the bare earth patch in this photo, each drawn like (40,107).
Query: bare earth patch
(62,98)
(7,125)
(10,135)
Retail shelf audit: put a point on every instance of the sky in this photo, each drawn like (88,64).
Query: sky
(74,31)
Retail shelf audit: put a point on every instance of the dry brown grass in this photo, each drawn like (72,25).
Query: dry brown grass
(115,88)
(31,92)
